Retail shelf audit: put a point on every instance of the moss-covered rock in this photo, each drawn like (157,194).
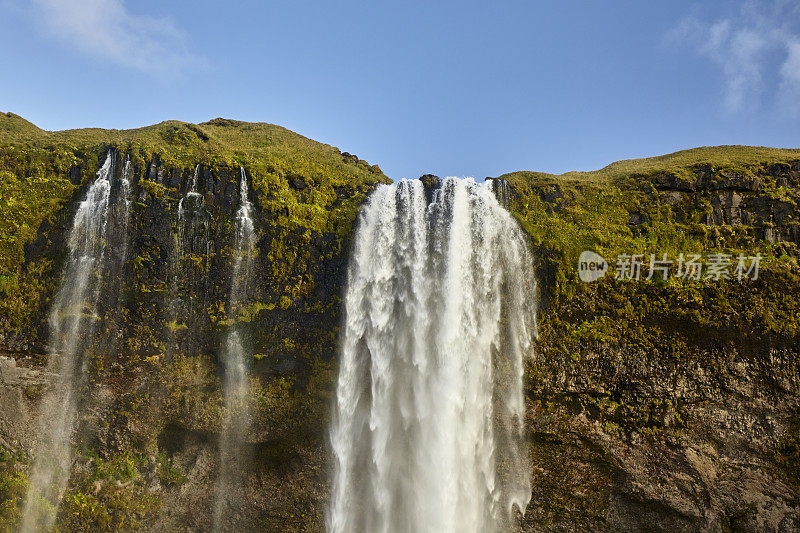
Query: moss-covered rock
(152,388)
(666,405)
(653,405)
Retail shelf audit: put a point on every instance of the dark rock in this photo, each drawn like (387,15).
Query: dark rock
(764,209)
(230,196)
(671,182)
(726,208)
(349,158)
(430,184)
(637,219)
(75,175)
(552,194)
(176,179)
(734,181)
(297,181)
(343,192)
(152,170)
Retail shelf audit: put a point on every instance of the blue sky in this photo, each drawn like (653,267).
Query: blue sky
(452,88)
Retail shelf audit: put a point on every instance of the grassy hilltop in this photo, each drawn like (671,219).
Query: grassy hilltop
(642,385)
(303,183)
(648,401)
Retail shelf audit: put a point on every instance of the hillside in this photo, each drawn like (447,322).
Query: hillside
(659,405)
(667,405)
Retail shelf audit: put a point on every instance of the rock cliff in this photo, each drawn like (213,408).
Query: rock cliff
(652,405)
(666,406)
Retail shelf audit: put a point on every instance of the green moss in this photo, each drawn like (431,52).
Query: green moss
(303,188)
(188,392)
(108,495)
(13,486)
(174,326)
(788,457)
(732,158)
(156,190)
(27,199)
(169,474)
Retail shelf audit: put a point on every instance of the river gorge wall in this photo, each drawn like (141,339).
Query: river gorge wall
(649,406)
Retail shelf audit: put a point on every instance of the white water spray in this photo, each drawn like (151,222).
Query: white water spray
(72,321)
(191,238)
(191,215)
(235,358)
(440,315)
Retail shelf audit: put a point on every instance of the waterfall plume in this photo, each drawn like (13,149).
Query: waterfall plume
(235,359)
(100,223)
(440,315)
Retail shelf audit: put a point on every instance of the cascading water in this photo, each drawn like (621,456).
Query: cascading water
(235,359)
(72,321)
(191,217)
(440,315)
(501,191)
(191,239)
(193,201)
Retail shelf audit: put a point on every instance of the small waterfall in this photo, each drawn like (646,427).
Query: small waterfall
(120,213)
(440,316)
(193,199)
(501,191)
(72,321)
(191,239)
(191,217)
(235,359)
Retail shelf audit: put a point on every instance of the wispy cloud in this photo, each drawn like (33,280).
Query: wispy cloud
(106,29)
(757,49)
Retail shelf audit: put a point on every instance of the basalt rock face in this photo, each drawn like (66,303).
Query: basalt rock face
(651,406)
(738,198)
(666,406)
(150,406)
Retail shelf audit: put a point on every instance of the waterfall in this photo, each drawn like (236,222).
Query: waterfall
(191,237)
(501,191)
(72,320)
(191,217)
(440,315)
(193,198)
(235,359)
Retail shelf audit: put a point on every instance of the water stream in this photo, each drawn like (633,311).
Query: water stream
(440,315)
(72,321)
(191,256)
(235,358)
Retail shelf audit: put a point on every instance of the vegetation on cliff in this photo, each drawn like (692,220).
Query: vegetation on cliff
(158,364)
(300,184)
(657,376)
(630,377)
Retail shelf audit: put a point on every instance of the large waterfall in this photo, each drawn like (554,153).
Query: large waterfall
(100,223)
(235,360)
(440,316)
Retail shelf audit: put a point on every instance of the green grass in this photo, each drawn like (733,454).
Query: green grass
(678,163)
(35,166)
(593,208)
(260,147)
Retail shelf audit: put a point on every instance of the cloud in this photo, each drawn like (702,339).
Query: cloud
(757,50)
(106,29)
